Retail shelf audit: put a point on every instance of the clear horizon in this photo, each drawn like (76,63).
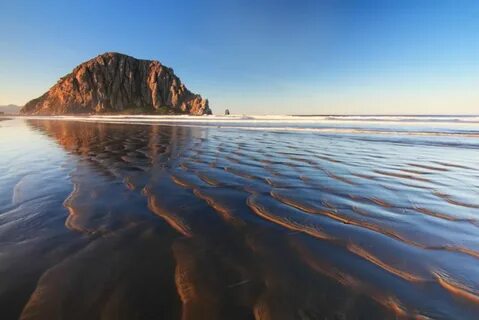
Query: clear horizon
(261,57)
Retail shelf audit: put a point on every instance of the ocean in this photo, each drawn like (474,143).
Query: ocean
(239,217)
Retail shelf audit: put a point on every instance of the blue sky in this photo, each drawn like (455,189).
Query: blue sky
(262,57)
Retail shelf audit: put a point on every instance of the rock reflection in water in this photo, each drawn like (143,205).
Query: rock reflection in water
(176,222)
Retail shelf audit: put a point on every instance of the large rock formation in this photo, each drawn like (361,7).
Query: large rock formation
(114,82)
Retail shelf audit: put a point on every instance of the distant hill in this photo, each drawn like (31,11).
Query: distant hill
(11,108)
(117,83)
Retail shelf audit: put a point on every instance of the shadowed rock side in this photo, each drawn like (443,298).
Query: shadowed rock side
(114,82)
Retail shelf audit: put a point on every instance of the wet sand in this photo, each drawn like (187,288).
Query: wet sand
(129,221)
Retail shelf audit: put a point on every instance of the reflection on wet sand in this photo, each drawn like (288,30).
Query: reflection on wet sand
(171,222)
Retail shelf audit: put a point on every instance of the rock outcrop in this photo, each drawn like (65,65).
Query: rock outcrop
(114,82)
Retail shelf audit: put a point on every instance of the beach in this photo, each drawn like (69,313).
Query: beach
(241,217)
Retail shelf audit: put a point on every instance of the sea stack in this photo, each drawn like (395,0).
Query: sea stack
(117,83)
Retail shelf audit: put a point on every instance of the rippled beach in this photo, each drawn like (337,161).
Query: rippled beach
(249,218)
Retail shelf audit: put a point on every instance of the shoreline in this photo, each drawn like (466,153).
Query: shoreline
(453,127)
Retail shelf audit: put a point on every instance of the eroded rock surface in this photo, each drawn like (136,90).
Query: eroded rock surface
(114,82)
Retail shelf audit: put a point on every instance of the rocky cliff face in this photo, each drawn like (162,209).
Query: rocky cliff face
(113,82)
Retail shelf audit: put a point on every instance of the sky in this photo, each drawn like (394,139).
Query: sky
(261,56)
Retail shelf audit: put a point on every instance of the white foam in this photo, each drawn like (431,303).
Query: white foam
(270,118)
(467,126)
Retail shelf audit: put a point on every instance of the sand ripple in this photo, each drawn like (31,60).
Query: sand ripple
(214,223)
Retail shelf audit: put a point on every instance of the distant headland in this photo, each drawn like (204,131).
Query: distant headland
(117,83)
(10,109)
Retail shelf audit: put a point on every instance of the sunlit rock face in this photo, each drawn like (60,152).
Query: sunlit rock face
(114,82)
